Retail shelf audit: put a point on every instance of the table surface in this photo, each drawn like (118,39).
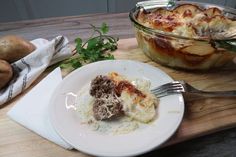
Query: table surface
(16,141)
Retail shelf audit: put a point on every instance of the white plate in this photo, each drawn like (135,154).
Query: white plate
(67,124)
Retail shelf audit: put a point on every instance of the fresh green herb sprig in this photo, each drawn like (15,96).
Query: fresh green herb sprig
(98,47)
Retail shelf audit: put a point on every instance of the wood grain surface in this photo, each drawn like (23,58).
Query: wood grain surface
(201,117)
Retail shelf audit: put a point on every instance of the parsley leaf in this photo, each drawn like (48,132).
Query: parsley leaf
(98,47)
(104,28)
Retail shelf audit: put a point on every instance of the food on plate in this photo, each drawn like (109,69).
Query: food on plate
(6,73)
(114,95)
(13,48)
(107,104)
(116,104)
(182,37)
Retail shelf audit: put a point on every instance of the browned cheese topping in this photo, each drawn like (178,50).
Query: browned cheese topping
(186,20)
(106,92)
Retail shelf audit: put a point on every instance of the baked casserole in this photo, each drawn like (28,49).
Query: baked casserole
(184,36)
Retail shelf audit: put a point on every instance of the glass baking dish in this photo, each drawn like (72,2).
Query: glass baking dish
(178,51)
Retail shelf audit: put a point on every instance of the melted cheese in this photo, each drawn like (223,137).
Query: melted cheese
(142,110)
(141,107)
(187,20)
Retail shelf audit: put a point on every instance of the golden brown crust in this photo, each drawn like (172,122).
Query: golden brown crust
(187,10)
(211,12)
(185,20)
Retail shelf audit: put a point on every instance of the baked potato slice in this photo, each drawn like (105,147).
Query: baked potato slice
(211,12)
(187,10)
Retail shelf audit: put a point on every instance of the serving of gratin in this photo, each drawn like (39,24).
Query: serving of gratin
(117,104)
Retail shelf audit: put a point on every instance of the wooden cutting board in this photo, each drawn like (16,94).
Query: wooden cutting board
(202,116)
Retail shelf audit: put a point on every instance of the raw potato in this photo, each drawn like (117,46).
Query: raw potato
(6,73)
(13,48)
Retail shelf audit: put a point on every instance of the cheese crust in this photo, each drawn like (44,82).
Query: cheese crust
(188,21)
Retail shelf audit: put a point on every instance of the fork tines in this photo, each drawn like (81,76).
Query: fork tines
(168,89)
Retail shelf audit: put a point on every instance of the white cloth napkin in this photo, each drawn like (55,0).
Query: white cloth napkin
(32,110)
(27,69)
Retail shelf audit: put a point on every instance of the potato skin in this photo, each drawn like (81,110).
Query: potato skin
(13,48)
(6,73)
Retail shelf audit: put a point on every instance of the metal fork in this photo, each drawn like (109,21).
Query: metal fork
(189,91)
(151,4)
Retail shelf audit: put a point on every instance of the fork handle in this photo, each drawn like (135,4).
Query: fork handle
(208,94)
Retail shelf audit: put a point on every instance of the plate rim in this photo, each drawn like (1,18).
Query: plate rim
(126,154)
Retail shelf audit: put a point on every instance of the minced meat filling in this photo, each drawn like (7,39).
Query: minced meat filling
(101,85)
(104,108)
(106,105)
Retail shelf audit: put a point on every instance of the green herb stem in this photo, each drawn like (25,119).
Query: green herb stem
(96,48)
